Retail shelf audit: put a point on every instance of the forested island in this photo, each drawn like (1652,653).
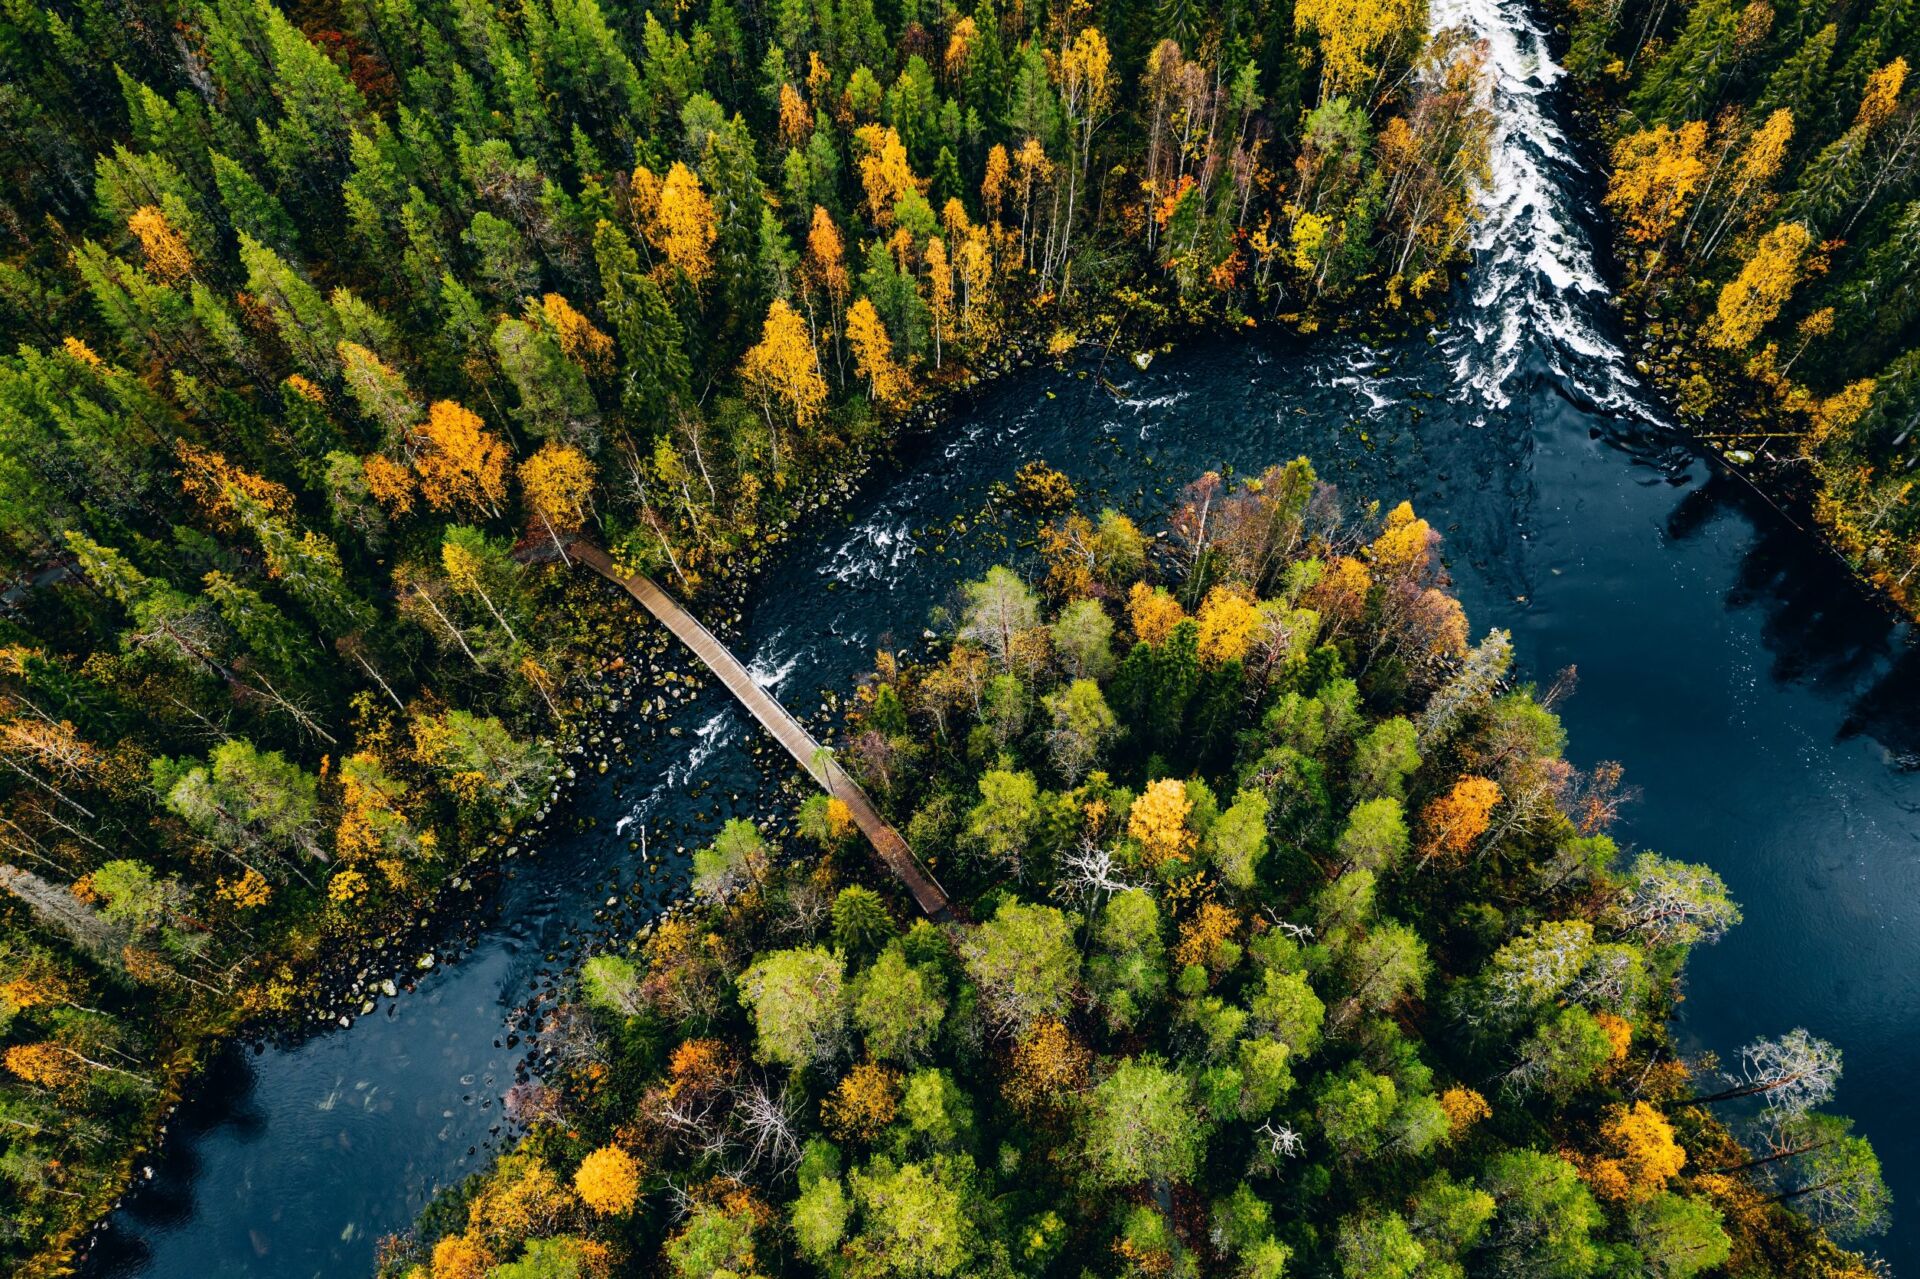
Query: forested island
(1291,945)
(331,324)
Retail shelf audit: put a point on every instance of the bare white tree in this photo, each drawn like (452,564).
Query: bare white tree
(1282,1141)
(1669,903)
(1473,685)
(1792,1074)
(1089,871)
(1288,929)
(767,1126)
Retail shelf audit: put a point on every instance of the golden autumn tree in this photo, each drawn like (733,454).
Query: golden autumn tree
(1657,173)
(1766,150)
(1084,73)
(45,1065)
(796,117)
(940,294)
(34,983)
(523,1197)
(608,1181)
(390,482)
(823,272)
(1836,412)
(1745,196)
(459,462)
(863,1103)
(677,219)
(1882,95)
(1036,169)
(1228,620)
(974,260)
(81,353)
(1158,820)
(783,370)
(461,1257)
(557,483)
(1153,612)
(888,383)
(1206,938)
(885,174)
(1641,1154)
(960,38)
(1047,1068)
(1750,300)
(993,185)
(1356,38)
(1404,549)
(1619,1033)
(212,483)
(1464,1108)
(167,253)
(580,340)
(1457,819)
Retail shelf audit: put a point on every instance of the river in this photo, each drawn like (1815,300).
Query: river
(1769,712)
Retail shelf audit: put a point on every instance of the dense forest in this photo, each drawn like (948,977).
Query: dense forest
(332,323)
(1765,160)
(1289,943)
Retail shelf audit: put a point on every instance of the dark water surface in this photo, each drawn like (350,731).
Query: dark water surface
(1769,713)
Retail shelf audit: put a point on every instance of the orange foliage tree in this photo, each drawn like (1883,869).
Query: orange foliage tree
(582,343)
(459,462)
(1458,818)
(608,1181)
(557,483)
(1047,1067)
(1656,174)
(1158,820)
(1641,1154)
(1751,299)
(891,387)
(1228,622)
(677,219)
(461,1257)
(863,1103)
(784,369)
(1153,612)
(167,253)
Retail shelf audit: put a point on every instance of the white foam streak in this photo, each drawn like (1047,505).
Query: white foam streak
(768,668)
(1535,276)
(874,550)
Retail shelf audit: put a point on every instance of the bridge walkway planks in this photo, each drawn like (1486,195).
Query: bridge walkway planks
(892,850)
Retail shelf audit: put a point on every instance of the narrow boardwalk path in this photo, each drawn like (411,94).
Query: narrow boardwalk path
(891,849)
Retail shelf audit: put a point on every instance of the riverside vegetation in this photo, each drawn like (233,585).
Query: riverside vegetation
(1765,159)
(1291,944)
(316,309)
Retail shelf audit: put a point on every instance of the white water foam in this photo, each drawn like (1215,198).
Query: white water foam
(1535,280)
(873,551)
(708,738)
(769,668)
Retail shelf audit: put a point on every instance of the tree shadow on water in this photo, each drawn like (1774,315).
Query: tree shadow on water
(1822,628)
(222,1099)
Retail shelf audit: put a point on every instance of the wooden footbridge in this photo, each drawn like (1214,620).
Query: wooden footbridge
(889,848)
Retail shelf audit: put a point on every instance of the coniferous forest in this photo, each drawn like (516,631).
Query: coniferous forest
(1287,940)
